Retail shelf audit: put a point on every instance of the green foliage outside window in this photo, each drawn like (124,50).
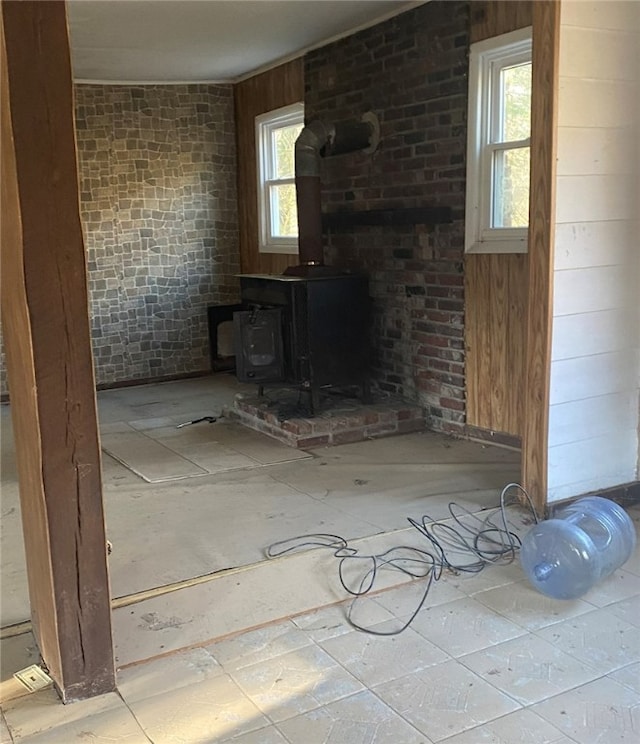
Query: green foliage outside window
(511,196)
(283,196)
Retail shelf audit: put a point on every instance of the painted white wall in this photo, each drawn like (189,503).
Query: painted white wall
(595,359)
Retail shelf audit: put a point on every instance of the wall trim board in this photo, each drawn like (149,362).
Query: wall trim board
(544,117)
(628,494)
(153,380)
(498,438)
(135,382)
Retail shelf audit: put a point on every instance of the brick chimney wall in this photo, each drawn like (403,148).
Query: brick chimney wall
(412,72)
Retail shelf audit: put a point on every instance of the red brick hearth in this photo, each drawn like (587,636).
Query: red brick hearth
(340,421)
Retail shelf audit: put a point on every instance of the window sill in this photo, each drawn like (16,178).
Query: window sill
(498,246)
(283,249)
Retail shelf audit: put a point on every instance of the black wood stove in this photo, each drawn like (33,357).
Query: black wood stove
(307,332)
(310,327)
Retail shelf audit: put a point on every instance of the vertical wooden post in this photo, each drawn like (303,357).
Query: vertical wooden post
(49,361)
(535,441)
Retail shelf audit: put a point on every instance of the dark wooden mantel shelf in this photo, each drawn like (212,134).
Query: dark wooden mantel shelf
(387,217)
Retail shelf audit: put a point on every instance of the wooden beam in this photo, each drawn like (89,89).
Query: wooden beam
(48,347)
(546,36)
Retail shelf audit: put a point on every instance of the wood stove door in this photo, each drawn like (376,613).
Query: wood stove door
(258,345)
(338,316)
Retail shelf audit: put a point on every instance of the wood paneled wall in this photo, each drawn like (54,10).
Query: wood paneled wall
(496,289)
(495,323)
(494,17)
(270,90)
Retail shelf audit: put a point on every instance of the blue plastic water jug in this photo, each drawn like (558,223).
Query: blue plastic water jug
(585,541)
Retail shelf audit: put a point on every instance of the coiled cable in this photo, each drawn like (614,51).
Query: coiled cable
(488,538)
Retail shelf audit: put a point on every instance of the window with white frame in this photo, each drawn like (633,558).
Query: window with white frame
(276,134)
(498,148)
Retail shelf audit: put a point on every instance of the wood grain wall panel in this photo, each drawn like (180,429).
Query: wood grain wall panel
(270,90)
(495,289)
(496,296)
(494,17)
(544,124)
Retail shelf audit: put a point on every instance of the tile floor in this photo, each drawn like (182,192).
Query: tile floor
(486,661)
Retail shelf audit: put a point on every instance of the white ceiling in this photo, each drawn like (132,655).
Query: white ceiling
(206,40)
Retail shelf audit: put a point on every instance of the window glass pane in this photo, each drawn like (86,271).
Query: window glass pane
(284,213)
(284,139)
(515,83)
(511,188)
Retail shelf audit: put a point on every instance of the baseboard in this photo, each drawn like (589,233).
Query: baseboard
(500,438)
(152,380)
(6,398)
(626,494)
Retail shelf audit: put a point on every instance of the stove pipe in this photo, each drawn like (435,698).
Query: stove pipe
(318,140)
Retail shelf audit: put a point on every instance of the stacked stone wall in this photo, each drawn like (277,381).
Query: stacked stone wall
(157,178)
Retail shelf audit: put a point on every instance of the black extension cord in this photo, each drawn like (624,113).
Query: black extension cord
(489,542)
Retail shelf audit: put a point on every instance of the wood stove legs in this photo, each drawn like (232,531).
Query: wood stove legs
(365,391)
(314,400)
(314,395)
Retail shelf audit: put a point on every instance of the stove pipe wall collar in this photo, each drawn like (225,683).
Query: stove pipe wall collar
(318,140)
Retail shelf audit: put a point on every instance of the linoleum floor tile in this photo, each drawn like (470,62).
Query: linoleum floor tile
(491,577)
(627,610)
(463,626)
(529,669)
(16,653)
(268,735)
(5,736)
(209,710)
(359,719)
(403,600)
(160,676)
(620,585)
(628,676)
(597,638)
(522,604)
(520,727)
(41,718)
(329,622)
(259,645)
(376,659)
(445,700)
(294,683)
(601,712)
